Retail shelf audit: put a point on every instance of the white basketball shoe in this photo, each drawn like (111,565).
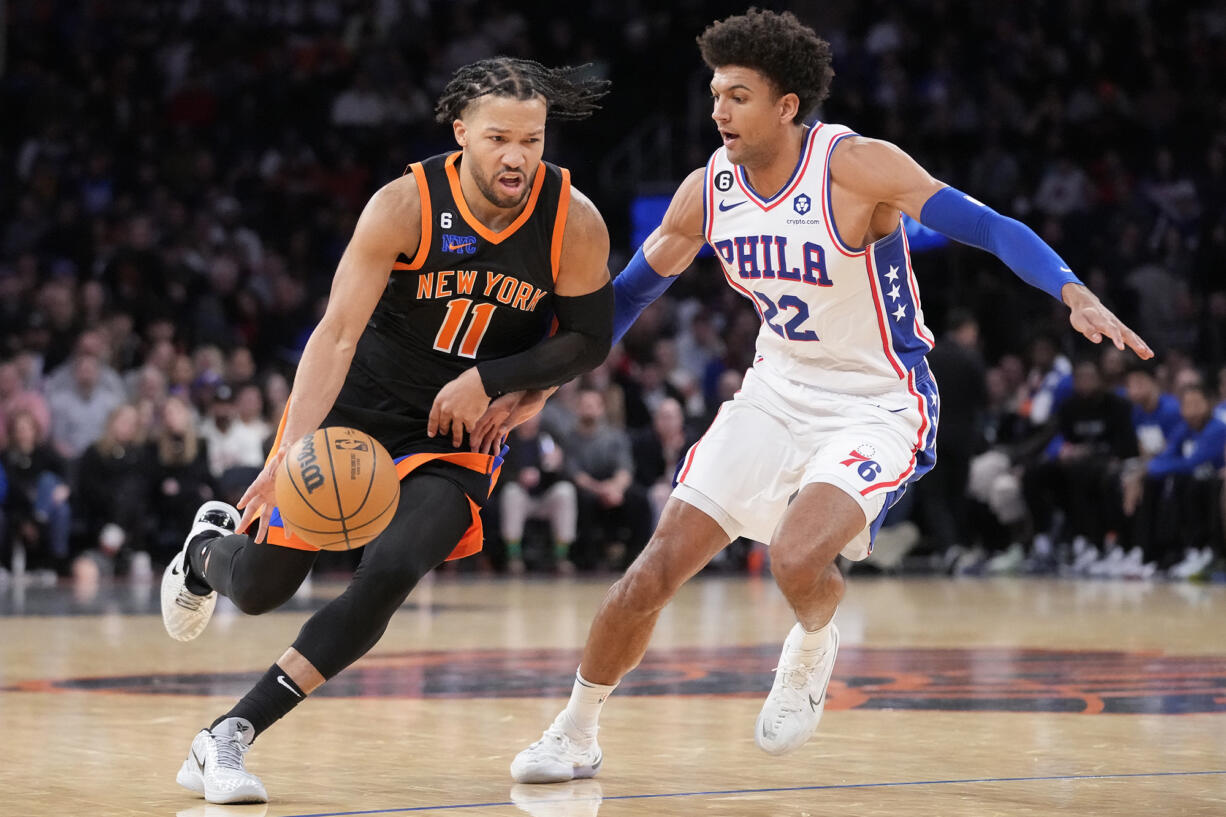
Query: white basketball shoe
(557,757)
(214,766)
(794,707)
(184,613)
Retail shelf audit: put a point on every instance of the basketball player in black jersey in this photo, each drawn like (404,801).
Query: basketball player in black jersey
(443,301)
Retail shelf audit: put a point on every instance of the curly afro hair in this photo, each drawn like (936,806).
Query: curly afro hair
(777,45)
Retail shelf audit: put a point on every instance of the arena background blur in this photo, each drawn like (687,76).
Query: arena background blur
(178,180)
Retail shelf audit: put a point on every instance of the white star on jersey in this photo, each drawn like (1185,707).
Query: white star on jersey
(894,293)
(900,313)
(893,273)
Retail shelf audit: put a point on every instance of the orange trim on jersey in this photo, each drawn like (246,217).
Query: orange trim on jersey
(559,224)
(453,177)
(473,538)
(427,220)
(276,440)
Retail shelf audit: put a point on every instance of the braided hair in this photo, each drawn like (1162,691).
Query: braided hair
(566,94)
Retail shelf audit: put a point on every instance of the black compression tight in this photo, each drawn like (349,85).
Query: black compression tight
(432,516)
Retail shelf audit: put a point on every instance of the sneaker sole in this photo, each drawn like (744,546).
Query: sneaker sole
(190,778)
(577,773)
(232,798)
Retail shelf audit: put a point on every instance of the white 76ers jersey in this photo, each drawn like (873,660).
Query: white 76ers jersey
(841,319)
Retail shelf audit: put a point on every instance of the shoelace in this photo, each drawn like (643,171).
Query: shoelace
(795,677)
(558,736)
(230,751)
(189,600)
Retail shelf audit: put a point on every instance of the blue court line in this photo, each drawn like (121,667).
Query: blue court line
(830,787)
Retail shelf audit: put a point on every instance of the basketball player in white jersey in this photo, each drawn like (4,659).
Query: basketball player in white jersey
(839,410)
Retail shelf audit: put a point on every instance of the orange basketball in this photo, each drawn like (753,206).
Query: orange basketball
(337,488)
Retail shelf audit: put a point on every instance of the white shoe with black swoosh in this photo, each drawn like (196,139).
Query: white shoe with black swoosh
(184,613)
(794,707)
(214,767)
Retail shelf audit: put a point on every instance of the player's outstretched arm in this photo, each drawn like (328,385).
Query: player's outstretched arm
(583,307)
(390,224)
(884,173)
(666,253)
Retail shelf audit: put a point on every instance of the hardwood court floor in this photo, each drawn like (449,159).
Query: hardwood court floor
(1004,697)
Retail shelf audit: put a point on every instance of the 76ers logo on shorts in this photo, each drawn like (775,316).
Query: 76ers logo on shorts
(862,460)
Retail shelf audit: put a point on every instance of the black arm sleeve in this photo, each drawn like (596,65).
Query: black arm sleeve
(582,342)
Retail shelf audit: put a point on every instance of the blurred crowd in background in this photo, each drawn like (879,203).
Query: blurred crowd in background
(178,180)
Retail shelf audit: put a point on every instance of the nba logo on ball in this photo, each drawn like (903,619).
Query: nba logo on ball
(337,489)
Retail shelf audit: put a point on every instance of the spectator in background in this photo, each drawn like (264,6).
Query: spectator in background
(646,392)
(80,408)
(276,395)
(16,398)
(533,486)
(179,478)
(958,366)
(614,515)
(1155,417)
(37,509)
(240,367)
(112,487)
(1049,381)
(249,411)
(699,345)
(1180,513)
(1219,410)
(657,452)
(1155,414)
(232,442)
(92,343)
(1081,477)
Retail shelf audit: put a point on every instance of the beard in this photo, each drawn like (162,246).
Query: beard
(489,189)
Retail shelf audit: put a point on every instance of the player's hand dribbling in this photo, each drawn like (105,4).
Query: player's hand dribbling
(504,414)
(1089,317)
(494,423)
(261,496)
(458,406)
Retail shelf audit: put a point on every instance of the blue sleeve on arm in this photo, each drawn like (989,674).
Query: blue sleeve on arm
(960,217)
(633,289)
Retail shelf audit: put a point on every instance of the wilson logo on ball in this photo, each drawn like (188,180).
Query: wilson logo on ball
(308,466)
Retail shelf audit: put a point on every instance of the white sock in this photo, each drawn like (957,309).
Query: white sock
(807,642)
(583,708)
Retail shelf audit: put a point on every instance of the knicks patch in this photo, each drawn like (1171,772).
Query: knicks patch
(460,244)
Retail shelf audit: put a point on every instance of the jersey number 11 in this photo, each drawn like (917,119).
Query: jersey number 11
(457,311)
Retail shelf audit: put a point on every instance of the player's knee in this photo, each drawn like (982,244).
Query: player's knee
(258,593)
(255,601)
(643,589)
(391,584)
(796,566)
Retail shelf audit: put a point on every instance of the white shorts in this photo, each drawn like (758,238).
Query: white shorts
(777,436)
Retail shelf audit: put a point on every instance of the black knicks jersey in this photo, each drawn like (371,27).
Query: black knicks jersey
(468,294)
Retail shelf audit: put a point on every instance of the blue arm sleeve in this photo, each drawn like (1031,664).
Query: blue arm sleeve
(960,217)
(633,289)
